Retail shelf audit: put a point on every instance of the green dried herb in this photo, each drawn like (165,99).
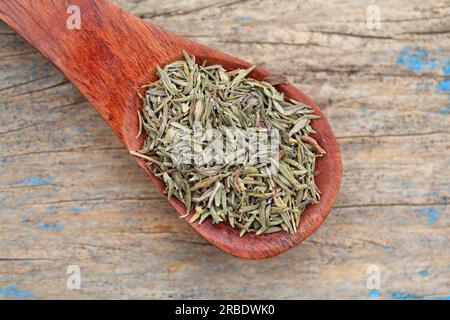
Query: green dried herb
(193,110)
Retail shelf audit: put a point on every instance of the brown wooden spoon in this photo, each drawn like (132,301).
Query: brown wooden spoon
(114,53)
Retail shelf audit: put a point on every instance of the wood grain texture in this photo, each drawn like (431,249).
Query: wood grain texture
(383,90)
(109,59)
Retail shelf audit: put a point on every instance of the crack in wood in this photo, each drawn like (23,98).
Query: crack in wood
(85,200)
(370,205)
(25,259)
(190,242)
(41,89)
(418,134)
(14,55)
(71,150)
(357,70)
(275,43)
(427,33)
(181,13)
(353,35)
(370,242)
(16,85)
(18,129)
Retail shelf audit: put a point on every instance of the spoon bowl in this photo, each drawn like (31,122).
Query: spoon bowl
(114,53)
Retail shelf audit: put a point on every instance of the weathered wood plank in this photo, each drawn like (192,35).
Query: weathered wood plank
(378,171)
(151,255)
(69,193)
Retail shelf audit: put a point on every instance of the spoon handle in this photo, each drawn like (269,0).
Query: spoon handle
(97,46)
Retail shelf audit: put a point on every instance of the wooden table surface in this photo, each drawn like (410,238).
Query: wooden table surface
(71,195)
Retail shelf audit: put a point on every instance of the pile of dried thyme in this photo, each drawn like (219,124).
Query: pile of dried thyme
(189,101)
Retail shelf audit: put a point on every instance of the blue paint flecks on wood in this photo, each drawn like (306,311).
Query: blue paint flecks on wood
(75,210)
(243,19)
(444,86)
(405,296)
(416,59)
(25,263)
(374,293)
(362,108)
(28,182)
(14,293)
(430,213)
(443,298)
(445,110)
(446,69)
(36,182)
(48,227)
(423,273)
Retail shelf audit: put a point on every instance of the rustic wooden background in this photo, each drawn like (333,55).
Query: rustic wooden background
(71,195)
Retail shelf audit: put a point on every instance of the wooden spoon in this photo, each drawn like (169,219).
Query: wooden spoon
(114,53)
